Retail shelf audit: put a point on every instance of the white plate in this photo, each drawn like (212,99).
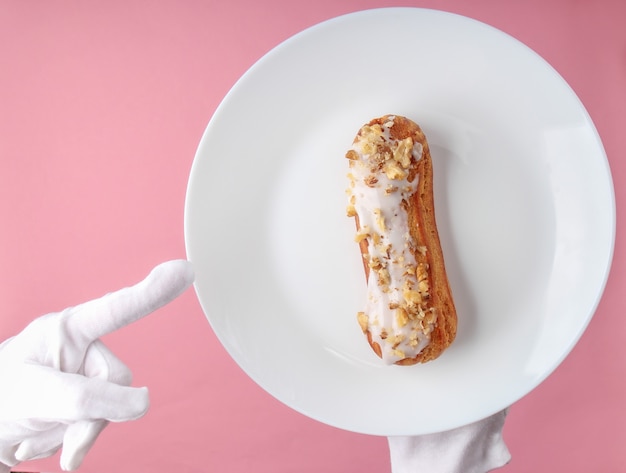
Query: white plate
(525,211)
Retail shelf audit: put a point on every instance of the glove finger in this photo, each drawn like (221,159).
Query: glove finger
(99,399)
(99,317)
(7,455)
(42,445)
(68,397)
(100,362)
(79,438)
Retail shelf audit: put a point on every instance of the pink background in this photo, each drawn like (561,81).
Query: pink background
(102,107)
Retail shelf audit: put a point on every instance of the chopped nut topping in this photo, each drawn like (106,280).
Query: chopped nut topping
(383,277)
(385,250)
(402,153)
(368,148)
(422,271)
(391,189)
(361,235)
(375,238)
(352,155)
(431,316)
(394,171)
(399,353)
(375,263)
(413,298)
(363,321)
(423,286)
(396,340)
(371,181)
(402,317)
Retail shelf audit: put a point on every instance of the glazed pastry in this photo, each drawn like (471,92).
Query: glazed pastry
(409,315)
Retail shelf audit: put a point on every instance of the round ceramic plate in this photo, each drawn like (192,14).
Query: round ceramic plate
(524,205)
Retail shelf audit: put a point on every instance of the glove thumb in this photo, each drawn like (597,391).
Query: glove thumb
(78,439)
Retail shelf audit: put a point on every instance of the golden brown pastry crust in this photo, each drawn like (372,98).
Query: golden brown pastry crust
(423,230)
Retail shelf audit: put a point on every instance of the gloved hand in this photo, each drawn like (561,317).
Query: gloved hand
(474,448)
(61,386)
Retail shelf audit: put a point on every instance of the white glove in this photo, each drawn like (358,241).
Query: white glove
(474,448)
(61,385)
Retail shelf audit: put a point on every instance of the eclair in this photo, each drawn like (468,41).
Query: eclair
(409,315)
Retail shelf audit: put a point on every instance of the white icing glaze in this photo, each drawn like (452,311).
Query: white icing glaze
(394,313)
